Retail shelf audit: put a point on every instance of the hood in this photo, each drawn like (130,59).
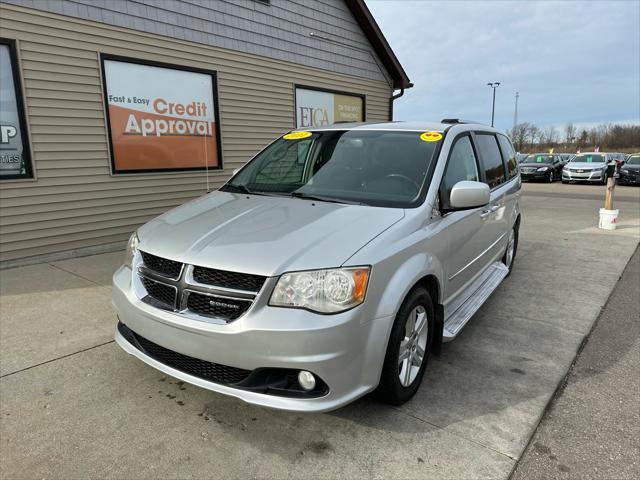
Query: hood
(630,167)
(264,235)
(586,165)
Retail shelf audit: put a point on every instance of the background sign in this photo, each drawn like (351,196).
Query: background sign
(14,154)
(160,117)
(315,108)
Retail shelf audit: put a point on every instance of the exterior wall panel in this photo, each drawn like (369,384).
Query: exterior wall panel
(280,30)
(75,202)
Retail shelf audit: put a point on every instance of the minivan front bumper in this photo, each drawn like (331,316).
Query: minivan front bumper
(343,350)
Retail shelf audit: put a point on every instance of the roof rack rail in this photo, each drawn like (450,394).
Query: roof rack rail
(458,120)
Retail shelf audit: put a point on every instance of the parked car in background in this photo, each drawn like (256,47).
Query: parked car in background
(565,157)
(619,158)
(541,166)
(630,171)
(330,265)
(587,167)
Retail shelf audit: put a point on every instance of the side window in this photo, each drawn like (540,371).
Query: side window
(491,159)
(462,165)
(509,156)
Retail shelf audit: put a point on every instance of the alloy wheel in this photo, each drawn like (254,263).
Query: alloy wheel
(413,345)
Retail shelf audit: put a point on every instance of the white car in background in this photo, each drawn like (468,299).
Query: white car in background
(587,167)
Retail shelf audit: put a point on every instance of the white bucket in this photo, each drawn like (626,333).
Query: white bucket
(608,219)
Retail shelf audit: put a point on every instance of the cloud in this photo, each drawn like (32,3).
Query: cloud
(571,61)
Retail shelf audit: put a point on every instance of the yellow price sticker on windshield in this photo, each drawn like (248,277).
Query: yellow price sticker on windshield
(297,135)
(430,136)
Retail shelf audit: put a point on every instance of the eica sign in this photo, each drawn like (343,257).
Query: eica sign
(315,108)
(161,117)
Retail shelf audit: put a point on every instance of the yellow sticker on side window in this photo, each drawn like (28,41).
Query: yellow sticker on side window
(430,136)
(297,135)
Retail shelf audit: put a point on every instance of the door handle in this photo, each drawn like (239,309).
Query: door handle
(488,211)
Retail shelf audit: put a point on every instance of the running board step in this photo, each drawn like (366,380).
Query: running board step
(482,287)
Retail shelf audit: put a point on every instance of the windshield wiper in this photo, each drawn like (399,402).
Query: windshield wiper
(238,188)
(244,189)
(321,198)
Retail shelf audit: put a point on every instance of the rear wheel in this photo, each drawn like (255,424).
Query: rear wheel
(408,349)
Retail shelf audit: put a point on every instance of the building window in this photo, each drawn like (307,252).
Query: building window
(161,118)
(15,157)
(316,107)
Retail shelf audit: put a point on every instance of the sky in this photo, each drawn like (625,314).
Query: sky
(571,61)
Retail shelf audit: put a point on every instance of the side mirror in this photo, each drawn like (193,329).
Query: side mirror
(467,194)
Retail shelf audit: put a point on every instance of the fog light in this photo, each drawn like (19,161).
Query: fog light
(306,380)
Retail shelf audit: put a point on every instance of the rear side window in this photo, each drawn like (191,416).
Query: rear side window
(491,159)
(462,165)
(509,156)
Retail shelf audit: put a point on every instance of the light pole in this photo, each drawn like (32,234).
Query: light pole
(493,85)
(515,113)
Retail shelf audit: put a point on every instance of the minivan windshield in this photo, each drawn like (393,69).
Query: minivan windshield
(372,167)
(588,158)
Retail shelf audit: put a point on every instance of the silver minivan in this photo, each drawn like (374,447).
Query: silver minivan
(331,265)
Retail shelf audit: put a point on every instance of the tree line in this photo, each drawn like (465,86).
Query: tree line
(527,137)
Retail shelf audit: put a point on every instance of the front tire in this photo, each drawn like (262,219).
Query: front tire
(408,348)
(509,256)
(551,177)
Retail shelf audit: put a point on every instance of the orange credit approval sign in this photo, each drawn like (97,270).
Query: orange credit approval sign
(160,118)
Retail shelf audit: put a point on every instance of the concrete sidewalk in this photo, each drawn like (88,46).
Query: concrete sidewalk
(592,428)
(73,405)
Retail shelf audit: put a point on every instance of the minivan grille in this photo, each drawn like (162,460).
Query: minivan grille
(200,291)
(210,371)
(222,278)
(163,266)
(165,294)
(220,307)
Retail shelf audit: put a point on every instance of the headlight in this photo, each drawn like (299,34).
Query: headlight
(543,169)
(322,291)
(624,170)
(132,248)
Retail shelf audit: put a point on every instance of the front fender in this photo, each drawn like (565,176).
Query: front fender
(405,277)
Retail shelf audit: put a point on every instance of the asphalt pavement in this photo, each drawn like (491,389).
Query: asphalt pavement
(592,427)
(74,405)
